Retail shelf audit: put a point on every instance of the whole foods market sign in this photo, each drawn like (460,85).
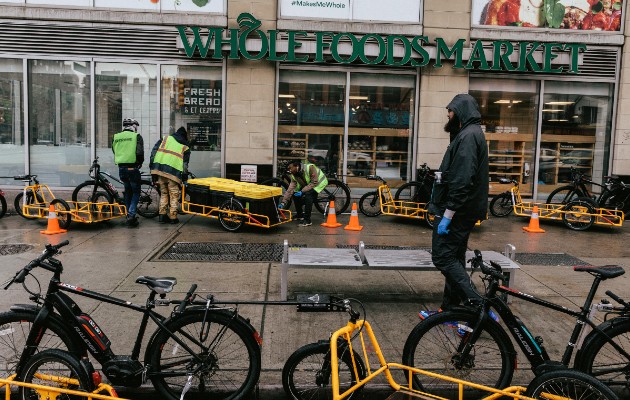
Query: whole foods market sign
(249,42)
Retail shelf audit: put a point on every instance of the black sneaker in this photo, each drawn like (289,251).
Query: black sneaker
(164,219)
(305,223)
(174,220)
(132,222)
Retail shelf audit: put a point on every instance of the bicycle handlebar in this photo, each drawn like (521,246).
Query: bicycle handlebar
(48,252)
(494,270)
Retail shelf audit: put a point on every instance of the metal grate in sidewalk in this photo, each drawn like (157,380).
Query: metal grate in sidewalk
(550,259)
(382,247)
(9,249)
(225,252)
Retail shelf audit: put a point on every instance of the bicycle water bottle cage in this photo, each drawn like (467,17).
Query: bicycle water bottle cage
(158,285)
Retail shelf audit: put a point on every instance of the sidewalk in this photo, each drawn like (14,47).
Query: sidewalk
(109,257)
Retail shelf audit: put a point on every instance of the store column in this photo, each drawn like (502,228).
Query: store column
(438,86)
(250,109)
(621,149)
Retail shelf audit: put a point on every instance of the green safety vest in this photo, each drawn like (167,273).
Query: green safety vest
(323,181)
(124,147)
(171,153)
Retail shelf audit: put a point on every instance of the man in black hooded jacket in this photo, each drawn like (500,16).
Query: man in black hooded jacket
(460,199)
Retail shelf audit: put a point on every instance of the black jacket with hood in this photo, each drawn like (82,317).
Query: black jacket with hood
(464,187)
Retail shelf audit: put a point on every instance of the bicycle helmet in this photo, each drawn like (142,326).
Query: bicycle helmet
(130,122)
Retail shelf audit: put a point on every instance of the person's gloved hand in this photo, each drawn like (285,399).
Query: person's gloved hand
(443,226)
(298,193)
(280,206)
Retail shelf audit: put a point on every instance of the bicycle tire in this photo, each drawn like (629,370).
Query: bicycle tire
(55,363)
(370,204)
(564,195)
(568,383)
(616,201)
(600,359)
(336,191)
(432,346)
(277,182)
(149,201)
(231,367)
(306,374)
(30,200)
(86,196)
(415,192)
(62,209)
(578,214)
(501,205)
(3,206)
(101,205)
(15,327)
(229,221)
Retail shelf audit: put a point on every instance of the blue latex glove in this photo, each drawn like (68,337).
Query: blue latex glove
(443,226)
(280,206)
(298,194)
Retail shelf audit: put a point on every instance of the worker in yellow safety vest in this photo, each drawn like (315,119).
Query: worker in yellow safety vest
(128,148)
(169,169)
(307,181)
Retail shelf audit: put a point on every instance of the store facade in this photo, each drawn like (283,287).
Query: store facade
(358,87)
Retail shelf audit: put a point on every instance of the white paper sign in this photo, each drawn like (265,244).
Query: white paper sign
(249,173)
(318,9)
(354,10)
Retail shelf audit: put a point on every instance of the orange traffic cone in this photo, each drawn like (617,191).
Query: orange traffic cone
(533,223)
(331,221)
(354,220)
(53,223)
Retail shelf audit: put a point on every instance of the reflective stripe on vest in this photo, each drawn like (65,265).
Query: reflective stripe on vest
(171,153)
(321,177)
(124,146)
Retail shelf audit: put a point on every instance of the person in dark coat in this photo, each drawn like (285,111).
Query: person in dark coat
(459,199)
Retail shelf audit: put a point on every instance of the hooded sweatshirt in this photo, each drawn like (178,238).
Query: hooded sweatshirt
(464,187)
(166,170)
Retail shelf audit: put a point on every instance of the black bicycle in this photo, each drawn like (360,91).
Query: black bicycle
(99,189)
(336,191)
(418,191)
(200,348)
(307,372)
(467,343)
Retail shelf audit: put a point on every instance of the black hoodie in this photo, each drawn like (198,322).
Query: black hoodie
(464,187)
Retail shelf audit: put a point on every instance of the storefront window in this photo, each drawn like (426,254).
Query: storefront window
(508,119)
(11,120)
(125,91)
(310,119)
(575,133)
(192,97)
(380,127)
(59,120)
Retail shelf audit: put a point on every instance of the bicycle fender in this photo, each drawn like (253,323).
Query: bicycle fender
(604,327)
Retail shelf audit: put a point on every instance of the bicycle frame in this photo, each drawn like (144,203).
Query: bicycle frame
(533,350)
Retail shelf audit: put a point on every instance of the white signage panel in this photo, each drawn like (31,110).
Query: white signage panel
(136,4)
(387,11)
(80,3)
(249,173)
(316,9)
(209,6)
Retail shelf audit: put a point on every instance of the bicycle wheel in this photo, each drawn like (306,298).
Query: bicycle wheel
(433,345)
(100,206)
(568,384)
(564,194)
(226,365)
(149,202)
(414,192)
(57,369)
(501,205)
(85,192)
(618,200)
(277,182)
(578,214)
(370,204)
(600,359)
(62,209)
(30,201)
(229,220)
(14,329)
(3,205)
(336,191)
(307,372)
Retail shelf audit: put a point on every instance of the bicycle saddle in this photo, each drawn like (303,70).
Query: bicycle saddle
(158,285)
(605,271)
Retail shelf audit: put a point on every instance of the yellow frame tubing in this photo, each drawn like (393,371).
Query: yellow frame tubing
(400,208)
(40,207)
(52,393)
(364,327)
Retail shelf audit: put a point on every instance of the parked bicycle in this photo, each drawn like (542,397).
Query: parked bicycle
(466,342)
(336,191)
(307,373)
(35,199)
(577,188)
(336,365)
(99,189)
(418,191)
(200,348)
(3,204)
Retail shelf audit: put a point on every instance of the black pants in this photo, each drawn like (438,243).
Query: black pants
(449,256)
(304,204)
